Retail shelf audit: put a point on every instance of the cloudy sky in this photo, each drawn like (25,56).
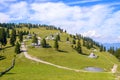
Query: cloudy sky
(98,19)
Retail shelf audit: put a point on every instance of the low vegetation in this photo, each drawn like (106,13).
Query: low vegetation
(58,47)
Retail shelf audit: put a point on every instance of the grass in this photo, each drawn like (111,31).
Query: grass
(8,56)
(70,58)
(29,70)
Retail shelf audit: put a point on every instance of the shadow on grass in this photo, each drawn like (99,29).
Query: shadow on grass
(2,57)
(7,74)
(84,54)
(10,73)
(7,47)
(63,51)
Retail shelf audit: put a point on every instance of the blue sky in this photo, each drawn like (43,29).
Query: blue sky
(98,19)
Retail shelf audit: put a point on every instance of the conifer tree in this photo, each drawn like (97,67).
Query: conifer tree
(20,36)
(117,53)
(67,39)
(111,50)
(13,37)
(74,41)
(43,43)
(8,33)
(58,37)
(101,48)
(35,40)
(17,48)
(78,48)
(56,45)
(104,49)
(84,43)
(3,37)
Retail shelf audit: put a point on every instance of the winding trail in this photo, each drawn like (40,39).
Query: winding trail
(24,49)
(44,62)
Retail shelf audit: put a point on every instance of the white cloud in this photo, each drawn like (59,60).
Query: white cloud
(76,19)
(50,11)
(97,21)
(4,1)
(19,11)
(91,33)
(4,18)
(117,39)
(82,1)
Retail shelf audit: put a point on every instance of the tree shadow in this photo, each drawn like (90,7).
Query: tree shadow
(63,51)
(7,47)
(2,57)
(10,73)
(85,54)
(7,74)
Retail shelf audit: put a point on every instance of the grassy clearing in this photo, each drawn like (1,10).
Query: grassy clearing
(8,56)
(29,70)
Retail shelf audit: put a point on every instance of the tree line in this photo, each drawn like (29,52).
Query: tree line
(115,52)
(7,36)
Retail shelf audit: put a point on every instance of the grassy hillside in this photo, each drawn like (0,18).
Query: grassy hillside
(67,56)
(29,70)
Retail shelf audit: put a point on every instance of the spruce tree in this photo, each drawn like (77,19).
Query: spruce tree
(8,33)
(3,37)
(117,53)
(67,39)
(74,41)
(58,37)
(56,45)
(78,48)
(35,40)
(43,43)
(13,37)
(101,48)
(84,44)
(17,48)
(20,36)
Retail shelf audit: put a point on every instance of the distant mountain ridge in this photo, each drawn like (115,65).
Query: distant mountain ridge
(108,45)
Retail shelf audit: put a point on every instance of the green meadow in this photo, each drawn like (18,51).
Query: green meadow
(26,69)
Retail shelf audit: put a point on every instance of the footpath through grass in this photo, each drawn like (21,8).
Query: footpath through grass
(29,70)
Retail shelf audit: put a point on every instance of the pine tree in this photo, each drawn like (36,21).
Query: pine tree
(8,33)
(101,48)
(104,49)
(84,43)
(20,36)
(74,41)
(3,37)
(56,45)
(13,37)
(43,43)
(111,50)
(35,40)
(117,53)
(17,48)
(58,37)
(65,31)
(78,48)
(67,39)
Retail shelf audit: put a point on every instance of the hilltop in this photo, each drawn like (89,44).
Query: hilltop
(67,55)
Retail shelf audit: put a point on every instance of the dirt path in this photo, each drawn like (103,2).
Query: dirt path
(45,62)
(23,47)
(114,69)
